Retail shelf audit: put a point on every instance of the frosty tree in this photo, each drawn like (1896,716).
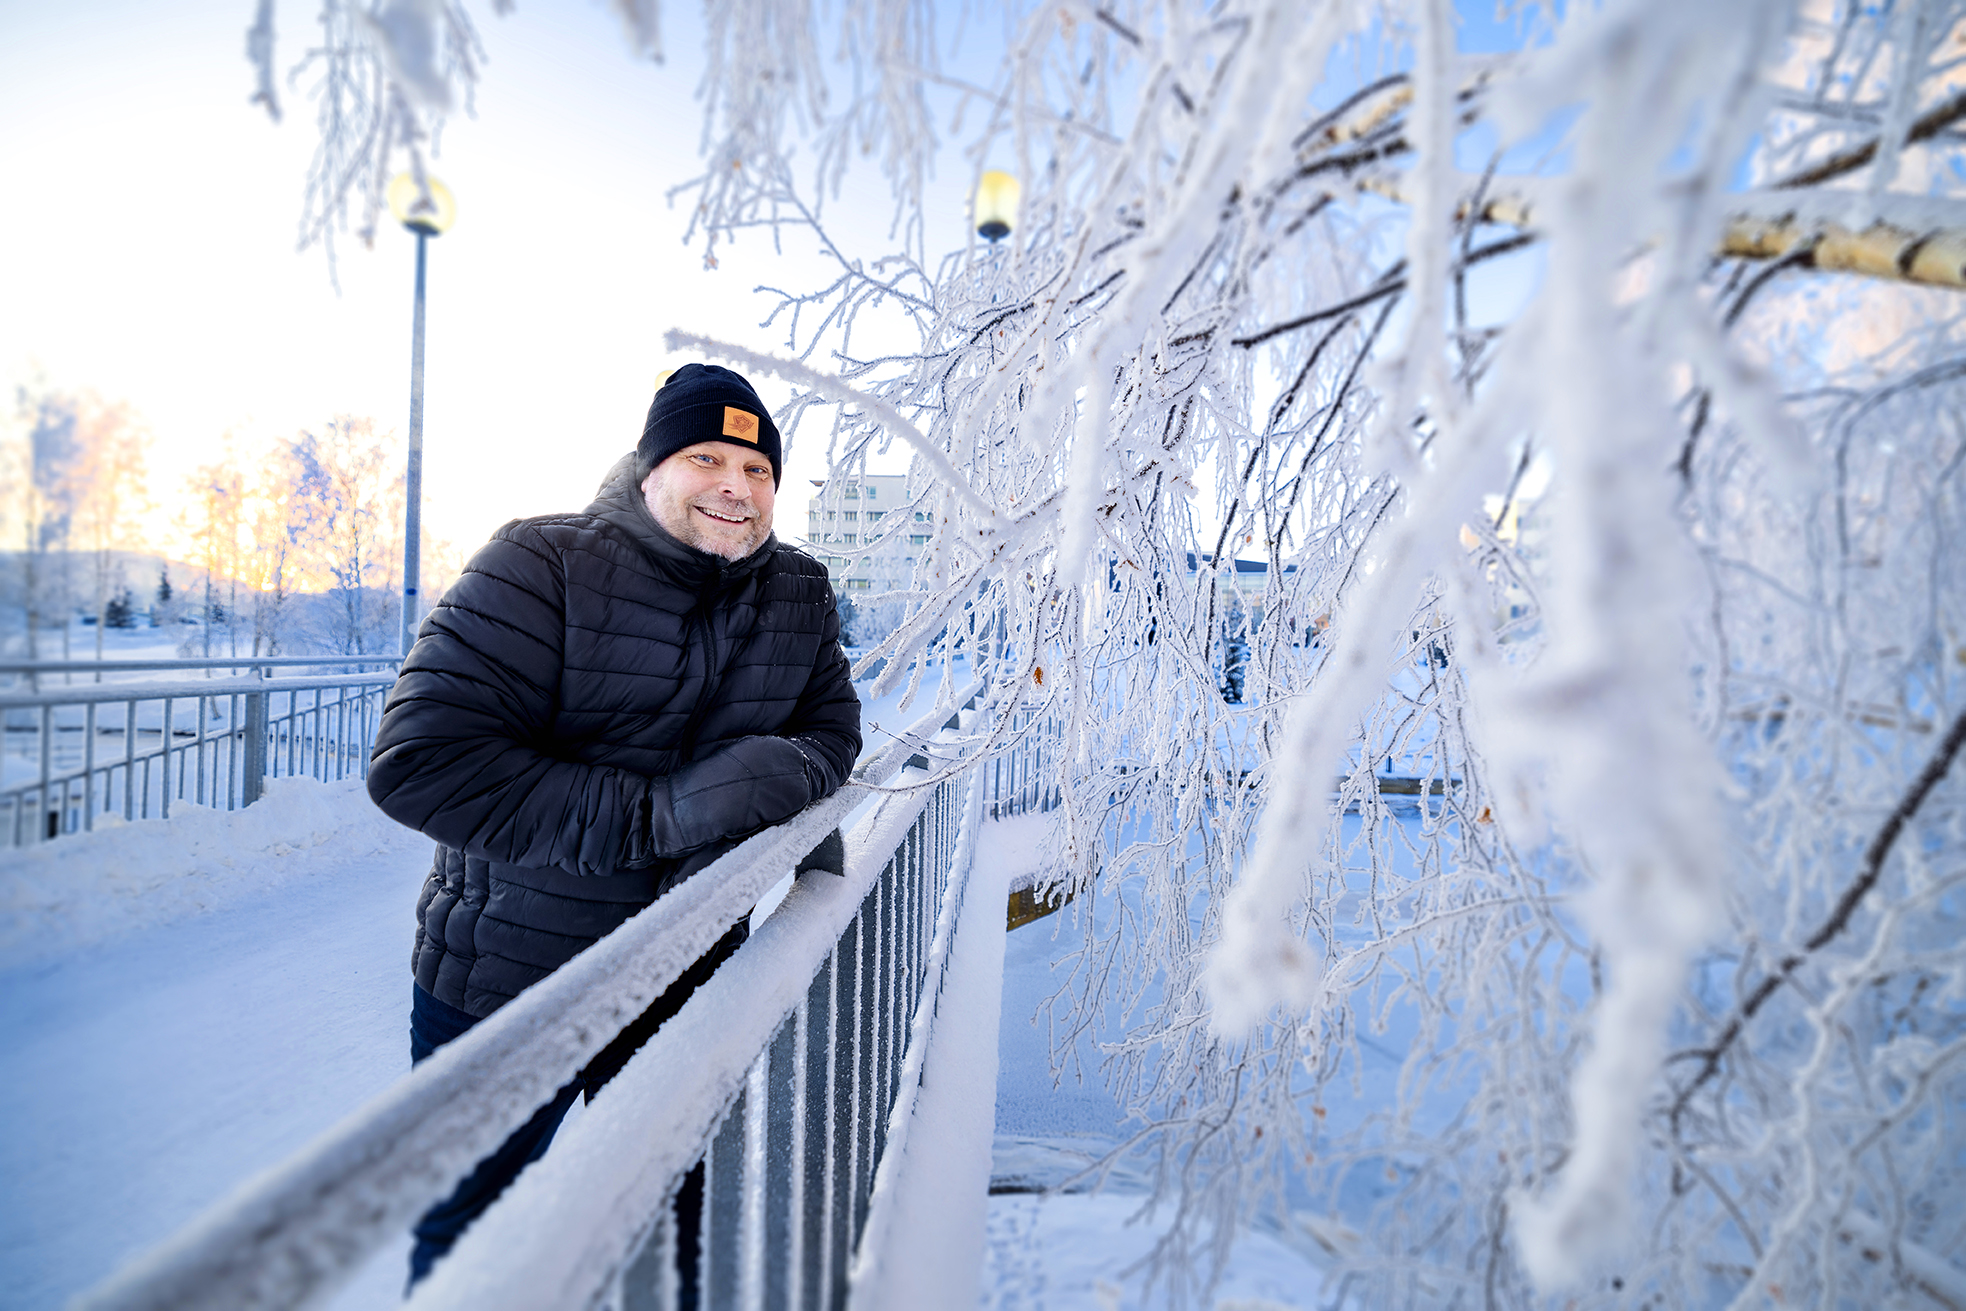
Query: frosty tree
(1650,594)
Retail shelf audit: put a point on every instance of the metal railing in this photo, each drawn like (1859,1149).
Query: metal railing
(211,734)
(1025,778)
(789,1174)
(781,1076)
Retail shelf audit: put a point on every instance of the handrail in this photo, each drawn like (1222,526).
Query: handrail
(95,749)
(573,1223)
(235,685)
(293,1234)
(188,662)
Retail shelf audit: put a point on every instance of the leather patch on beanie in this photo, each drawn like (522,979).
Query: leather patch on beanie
(740,424)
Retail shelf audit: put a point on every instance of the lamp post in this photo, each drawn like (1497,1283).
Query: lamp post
(997,194)
(427,215)
(994,211)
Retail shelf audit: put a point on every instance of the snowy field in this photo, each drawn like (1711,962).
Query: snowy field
(224,993)
(1053,1251)
(184,1003)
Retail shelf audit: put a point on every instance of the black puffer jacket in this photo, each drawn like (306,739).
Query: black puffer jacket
(592,713)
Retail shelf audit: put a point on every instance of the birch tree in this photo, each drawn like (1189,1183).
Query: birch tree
(109,496)
(1645,990)
(347,499)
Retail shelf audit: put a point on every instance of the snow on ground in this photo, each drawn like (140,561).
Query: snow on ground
(188,1036)
(59,897)
(185,1002)
(1060,1251)
(1046,1128)
(1064,1251)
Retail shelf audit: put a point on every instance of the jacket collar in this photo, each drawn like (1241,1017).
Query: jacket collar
(620,503)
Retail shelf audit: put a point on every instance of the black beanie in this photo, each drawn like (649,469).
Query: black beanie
(706,403)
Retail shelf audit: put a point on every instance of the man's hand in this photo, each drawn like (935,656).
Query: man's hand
(744,786)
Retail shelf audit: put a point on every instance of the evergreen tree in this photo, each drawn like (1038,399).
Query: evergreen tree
(120,610)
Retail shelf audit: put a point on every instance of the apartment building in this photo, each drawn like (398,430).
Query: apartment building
(861,512)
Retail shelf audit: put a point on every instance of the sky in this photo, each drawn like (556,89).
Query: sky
(154,258)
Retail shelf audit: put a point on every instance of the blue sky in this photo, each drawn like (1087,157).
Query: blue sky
(155,259)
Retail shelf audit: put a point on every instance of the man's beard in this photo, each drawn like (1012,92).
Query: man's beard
(699,534)
(688,527)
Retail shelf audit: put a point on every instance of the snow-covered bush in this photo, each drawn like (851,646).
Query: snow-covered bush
(1649,592)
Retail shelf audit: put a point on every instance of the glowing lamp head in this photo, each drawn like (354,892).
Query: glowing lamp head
(432,216)
(997,195)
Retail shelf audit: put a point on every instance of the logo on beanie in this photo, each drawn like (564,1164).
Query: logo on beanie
(741,425)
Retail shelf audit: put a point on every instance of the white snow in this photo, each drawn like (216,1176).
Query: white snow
(1016,847)
(185,1038)
(126,877)
(1062,1250)
(924,1230)
(1067,1251)
(188,1002)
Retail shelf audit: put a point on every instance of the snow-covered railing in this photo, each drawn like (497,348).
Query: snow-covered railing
(781,1075)
(1026,777)
(99,743)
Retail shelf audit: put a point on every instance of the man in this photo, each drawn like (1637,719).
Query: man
(602,705)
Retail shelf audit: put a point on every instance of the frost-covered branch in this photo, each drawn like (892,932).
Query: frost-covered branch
(1840,914)
(1453,707)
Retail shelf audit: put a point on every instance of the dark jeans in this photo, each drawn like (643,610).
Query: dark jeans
(434,1023)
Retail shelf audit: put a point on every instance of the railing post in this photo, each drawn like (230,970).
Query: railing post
(51,821)
(253,784)
(89,767)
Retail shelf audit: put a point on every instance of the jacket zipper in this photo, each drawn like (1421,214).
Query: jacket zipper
(712,675)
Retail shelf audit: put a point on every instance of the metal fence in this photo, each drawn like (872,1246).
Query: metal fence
(789,1174)
(780,1077)
(131,744)
(1026,777)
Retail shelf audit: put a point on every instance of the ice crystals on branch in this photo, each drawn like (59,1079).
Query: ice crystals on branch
(1451,850)
(383,78)
(406,39)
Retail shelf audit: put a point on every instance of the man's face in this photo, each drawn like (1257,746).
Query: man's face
(714,496)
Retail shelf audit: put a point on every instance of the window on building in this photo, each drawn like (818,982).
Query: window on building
(872,515)
(852,492)
(851,540)
(921,516)
(852,516)
(918,539)
(859,584)
(873,492)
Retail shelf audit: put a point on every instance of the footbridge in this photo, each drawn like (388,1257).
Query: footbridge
(827,1079)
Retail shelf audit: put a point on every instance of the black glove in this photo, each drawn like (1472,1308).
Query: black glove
(829,857)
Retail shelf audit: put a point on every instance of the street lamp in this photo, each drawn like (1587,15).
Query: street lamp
(997,194)
(427,211)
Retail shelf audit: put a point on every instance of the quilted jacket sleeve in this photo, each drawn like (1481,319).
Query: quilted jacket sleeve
(458,754)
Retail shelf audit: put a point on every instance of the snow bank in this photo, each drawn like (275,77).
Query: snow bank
(922,1244)
(1066,1250)
(1023,848)
(127,876)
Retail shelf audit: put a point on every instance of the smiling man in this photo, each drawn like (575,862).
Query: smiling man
(602,705)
